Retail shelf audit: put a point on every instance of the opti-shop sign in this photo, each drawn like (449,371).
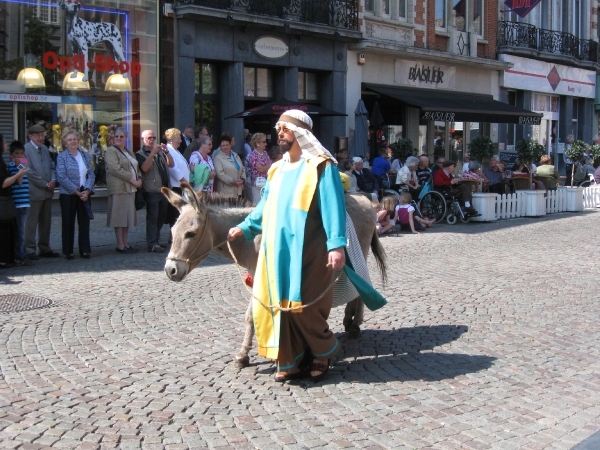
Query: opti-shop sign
(422,74)
(101,63)
(270,47)
(35,98)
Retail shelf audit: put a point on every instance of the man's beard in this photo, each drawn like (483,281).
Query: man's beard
(284,145)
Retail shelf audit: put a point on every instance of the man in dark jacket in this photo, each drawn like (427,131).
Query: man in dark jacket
(364,178)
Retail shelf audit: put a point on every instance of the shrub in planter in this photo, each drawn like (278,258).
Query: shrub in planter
(403,149)
(595,152)
(481,148)
(575,151)
(529,151)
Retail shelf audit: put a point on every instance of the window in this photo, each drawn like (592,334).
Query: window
(369,6)
(206,94)
(308,86)
(440,13)
(258,82)
(45,10)
(385,7)
(402,9)
(478,15)
(459,13)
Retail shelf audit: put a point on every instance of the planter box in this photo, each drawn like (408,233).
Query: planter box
(535,203)
(485,204)
(574,198)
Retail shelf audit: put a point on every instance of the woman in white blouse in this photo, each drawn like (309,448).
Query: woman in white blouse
(179,172)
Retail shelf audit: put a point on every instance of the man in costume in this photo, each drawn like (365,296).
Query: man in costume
(302,219)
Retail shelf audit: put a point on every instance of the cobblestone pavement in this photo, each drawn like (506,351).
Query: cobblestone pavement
(490,340)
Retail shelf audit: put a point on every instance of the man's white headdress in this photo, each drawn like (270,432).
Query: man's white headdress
(301,124)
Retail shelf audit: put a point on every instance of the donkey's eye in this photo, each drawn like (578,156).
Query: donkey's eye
(190,235)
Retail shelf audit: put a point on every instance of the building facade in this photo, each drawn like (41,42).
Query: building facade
(553,49)
(431,68)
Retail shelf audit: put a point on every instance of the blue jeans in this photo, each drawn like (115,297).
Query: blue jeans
(20,252)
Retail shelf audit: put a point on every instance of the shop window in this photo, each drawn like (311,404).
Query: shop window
(46,11)
(440,13)
(258,82)
(206,88)
(308,86)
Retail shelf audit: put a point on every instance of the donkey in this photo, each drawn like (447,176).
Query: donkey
(203,225)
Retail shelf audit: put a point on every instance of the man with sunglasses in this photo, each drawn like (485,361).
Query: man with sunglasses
(154,160)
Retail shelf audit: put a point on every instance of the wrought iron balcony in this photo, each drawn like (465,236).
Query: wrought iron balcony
(524,35)
(333,13)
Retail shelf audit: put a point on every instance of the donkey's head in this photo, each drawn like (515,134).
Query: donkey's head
(71,6)
(192,240)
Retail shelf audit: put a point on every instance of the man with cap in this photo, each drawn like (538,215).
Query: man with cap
(302,219)
(42,182)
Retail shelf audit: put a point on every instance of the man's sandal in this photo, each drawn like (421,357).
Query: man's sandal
(319,367)
(291,376)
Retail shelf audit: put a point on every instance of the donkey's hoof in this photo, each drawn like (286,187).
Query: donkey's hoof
(242,362)
(354,332)
(347,324)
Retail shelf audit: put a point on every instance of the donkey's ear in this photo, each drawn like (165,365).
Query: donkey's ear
(174,198)
(192,197)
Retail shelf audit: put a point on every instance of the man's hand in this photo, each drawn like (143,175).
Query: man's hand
(51,185)
(337,258)
(234,233)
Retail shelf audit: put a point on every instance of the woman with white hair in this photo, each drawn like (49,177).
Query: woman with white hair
(407,175)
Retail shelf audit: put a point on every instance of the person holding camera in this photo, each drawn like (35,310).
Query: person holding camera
(154,161)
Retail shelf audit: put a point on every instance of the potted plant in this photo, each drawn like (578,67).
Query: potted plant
(575,151)
(403,149)
(529,151)
(481,148)
(595,152)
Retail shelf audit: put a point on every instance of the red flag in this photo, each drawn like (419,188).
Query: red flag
(521,7)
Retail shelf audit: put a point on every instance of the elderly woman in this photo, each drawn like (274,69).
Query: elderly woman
(75,178)
(407,174)
(474,172)
(258,164)
(178,173)
(200,160)
(231,173)
(122,182)
(548,170)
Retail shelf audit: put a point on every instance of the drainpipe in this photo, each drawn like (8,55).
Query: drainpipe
(158,92)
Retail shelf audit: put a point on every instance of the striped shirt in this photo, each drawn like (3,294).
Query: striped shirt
(20,192)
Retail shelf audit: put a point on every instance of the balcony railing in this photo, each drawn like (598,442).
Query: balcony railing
(524,35)
(333,13)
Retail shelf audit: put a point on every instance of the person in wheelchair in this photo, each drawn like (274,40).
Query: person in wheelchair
(444,182)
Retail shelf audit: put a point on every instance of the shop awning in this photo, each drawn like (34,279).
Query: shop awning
(458,106)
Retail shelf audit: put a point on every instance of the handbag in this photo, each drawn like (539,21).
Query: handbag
(139,200)
(8,210)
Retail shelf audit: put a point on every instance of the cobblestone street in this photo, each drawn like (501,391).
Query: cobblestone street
(490,340)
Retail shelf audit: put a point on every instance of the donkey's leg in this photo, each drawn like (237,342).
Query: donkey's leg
(242,359)
(349,314)
(359,313)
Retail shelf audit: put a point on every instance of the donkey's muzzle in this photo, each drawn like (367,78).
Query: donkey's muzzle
(176,270)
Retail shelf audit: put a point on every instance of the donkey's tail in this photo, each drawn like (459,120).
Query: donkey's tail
(380,256)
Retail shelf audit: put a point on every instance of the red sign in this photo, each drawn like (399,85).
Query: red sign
(521,7)
(101,63)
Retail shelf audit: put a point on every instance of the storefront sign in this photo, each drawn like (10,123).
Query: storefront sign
(270,47)
(101,63)
(35,98)
(529,120)
(439,116)
(421,74)
(540,76)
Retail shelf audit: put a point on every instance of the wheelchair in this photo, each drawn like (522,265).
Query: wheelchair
(440,204)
